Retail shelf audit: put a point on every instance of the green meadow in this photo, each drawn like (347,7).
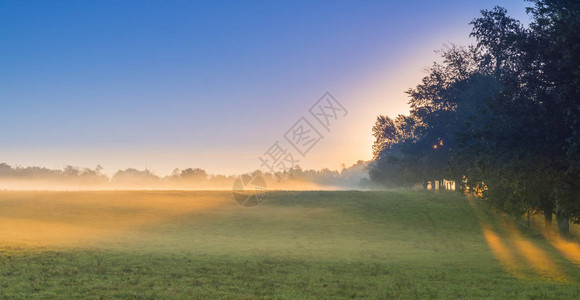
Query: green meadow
(296,245)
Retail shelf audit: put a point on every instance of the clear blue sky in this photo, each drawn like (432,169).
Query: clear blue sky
(210,84)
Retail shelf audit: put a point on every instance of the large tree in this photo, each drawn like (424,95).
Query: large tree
(502,116)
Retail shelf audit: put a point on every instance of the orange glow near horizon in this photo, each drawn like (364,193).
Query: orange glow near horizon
(378,91)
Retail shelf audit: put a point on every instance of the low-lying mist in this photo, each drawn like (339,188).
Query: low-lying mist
(73,219)
(76,179)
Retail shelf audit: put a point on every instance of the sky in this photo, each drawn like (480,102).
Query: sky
(210,84)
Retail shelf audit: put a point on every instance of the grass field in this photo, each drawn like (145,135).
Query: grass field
(344,244)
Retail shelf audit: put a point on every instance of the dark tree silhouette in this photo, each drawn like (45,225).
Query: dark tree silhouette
(501,117)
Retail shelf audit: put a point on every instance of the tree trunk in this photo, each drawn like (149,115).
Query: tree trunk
(528,219)
(563,226)
(563,222)
(547,221)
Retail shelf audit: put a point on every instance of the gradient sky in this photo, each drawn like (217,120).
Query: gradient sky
(209,84)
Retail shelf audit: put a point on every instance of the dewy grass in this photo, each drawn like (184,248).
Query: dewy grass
(318,244)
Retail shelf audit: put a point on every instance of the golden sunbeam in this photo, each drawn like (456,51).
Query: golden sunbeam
(505,252)
(79,219)
(568,249)
(538,259)
(499,249)
(501,252)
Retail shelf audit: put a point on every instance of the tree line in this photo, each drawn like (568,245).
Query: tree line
(500,117)
(72,177)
